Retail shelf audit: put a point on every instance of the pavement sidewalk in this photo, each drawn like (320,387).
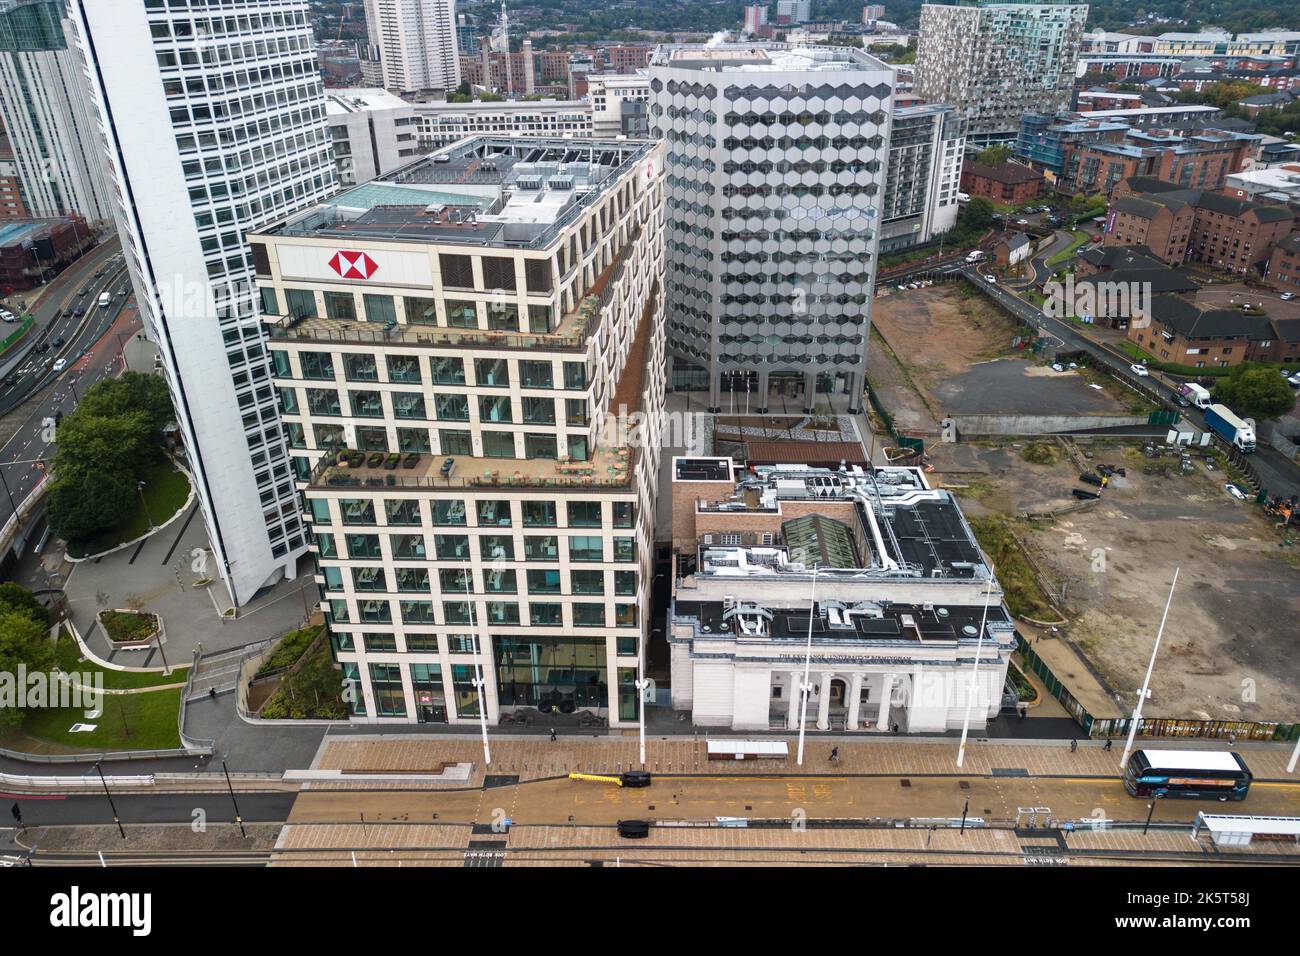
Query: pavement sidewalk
(536,758)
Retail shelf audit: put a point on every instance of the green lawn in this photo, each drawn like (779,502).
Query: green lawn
(70,662)
(129,722)
(1079,239)
(165,493)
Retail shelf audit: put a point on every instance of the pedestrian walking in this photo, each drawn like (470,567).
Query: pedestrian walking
(552,734)
(835,755)
(895,730)
(1074,745)
(212,692)
(1232,740)
(1023,711)
(1109,743)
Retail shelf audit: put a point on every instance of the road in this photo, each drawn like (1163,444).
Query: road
(77,287)
(91,354)
(150,808)
(1278,475)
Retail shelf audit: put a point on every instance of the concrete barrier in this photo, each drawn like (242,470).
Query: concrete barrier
(977,426)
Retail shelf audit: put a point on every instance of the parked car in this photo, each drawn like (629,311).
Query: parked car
(1287,296)
(1022,222)
(1139,370)
(1236,492)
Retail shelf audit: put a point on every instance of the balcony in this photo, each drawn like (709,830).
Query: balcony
(608,468)
(570,335)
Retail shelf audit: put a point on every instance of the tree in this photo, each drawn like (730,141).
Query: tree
(83,505)
(104,448)
(16,598)
(976,215)
(994,155)
(25,643)
(1255,391)
(134,393)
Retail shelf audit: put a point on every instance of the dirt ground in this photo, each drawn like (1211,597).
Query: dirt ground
(1229,648)
(953,353)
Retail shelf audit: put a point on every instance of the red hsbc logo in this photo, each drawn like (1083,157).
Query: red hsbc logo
(353,265)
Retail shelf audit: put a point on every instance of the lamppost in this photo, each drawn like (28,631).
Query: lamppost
(1151,811)
(13,507)
(478,681)
(112,806)
(642,684)
(1146,683)
(970,691)
(229,787)
(139,486)
(805,689)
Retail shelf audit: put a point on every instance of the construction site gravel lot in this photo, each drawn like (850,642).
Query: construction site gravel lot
(1229,647)
(950,351)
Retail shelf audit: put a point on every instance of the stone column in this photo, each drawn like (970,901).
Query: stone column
(792,718)
(882,719)
(855,695)
(824,703)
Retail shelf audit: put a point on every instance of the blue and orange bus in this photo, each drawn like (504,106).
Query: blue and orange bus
(1195,774)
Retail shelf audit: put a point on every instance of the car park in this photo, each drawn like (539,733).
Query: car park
(1139,370)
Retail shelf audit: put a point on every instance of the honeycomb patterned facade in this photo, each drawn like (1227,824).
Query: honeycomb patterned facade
(775,173)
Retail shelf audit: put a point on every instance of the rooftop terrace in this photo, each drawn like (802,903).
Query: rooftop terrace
(482,191)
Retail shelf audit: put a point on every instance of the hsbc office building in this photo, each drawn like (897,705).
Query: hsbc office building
(458,349)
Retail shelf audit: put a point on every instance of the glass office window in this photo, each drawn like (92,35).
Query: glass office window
(451,547)
(586,548)
(497,547)
(498,444)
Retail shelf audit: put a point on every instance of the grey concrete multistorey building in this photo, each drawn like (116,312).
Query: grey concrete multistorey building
(48,114)
(775,171)
(926,146)
(997,62)
(469,359)
(372,131)
(212,124)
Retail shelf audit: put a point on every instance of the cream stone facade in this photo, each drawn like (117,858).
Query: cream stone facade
(469,356)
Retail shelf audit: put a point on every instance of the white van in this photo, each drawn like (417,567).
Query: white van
(104,300)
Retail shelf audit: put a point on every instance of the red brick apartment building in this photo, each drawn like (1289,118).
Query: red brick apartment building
(11,197)
(1200,160)
(1214,338)
(1009,184)
(1284,263)
(1195,225)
